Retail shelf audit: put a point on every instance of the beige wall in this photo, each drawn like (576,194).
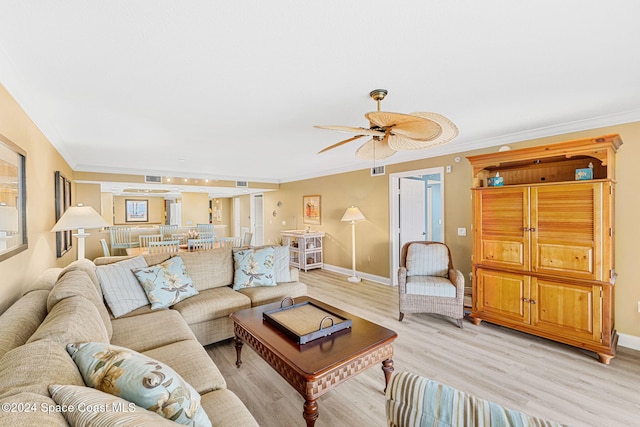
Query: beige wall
(156,210)
(195,209)
(19,271)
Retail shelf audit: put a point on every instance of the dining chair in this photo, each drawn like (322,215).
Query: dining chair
(229,242)
(200,244)
(105,247)
(179,237)
(167,230)
(246,240)
(164,246)
(206,235)
(121,238)
(204,228)
(144,239)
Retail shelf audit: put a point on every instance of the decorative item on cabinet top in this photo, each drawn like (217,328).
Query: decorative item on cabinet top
(548,163)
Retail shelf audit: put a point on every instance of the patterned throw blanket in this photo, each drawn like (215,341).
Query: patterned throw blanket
(415,401)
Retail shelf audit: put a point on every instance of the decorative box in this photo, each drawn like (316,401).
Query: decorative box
(584,173)
(496,181)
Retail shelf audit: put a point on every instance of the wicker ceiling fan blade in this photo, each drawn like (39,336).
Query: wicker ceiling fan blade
(375,149)
(449,129)
(411,126)
(352,129)
(338,144)
(401,142)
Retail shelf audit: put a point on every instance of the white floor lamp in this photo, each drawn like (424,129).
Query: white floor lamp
(78,218)
(353,214)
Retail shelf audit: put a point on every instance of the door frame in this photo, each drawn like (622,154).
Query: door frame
(394,215)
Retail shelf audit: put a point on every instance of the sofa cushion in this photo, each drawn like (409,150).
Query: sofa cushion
(209,269)
(73,319)
(137,378)
(83,265)
(46,280)
(228,409)
(32,415)
(190,360)
(212,304)
(427,260)
(430,286)
(32,367)
(253,267)
(267,294)
(151,330)
(120,288)
(166,284)
(78,282)
(96,408)
(22,319)
(281,268)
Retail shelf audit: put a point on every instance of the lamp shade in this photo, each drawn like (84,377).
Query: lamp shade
(79,217)
(8,219)
(353,214)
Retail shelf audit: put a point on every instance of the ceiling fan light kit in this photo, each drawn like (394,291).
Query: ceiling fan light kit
(392,132)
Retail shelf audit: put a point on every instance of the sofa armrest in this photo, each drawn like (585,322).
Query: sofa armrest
(402,280)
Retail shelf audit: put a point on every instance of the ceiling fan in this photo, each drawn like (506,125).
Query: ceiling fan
(391,132)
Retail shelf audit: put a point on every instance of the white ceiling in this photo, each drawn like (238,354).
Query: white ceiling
(231,90)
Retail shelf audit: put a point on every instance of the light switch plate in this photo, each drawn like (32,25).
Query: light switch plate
(462,231)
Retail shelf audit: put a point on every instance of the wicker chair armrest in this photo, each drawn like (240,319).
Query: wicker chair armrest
(402,280)
(457,278)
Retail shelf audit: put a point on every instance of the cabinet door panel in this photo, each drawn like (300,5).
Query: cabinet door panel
(567,236)
(502,221)
(503,295)
(567,309)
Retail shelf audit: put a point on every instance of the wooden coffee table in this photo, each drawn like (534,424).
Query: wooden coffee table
(318,366)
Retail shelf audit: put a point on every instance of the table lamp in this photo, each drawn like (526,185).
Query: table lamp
(78,218)
(353,214)
(8,223)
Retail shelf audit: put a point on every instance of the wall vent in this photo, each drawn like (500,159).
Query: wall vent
(151,178)
(243,184)
(377,170)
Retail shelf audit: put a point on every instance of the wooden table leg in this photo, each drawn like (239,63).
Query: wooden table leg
(239,343)
(387,367)
(310,412)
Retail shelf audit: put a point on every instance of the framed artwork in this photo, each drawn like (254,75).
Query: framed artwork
(137,210)
(64,241)
(13,205)
(311,210)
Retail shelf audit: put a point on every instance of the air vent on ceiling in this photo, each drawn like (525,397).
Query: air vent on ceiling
(377,170)
(244,184)
(151,178)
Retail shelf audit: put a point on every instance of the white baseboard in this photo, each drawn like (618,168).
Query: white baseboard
(629,341)
(349,272)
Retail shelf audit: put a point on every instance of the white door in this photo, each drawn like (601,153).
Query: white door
(412,210)
(257,219)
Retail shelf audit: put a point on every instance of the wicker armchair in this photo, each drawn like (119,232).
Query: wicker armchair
(428,283)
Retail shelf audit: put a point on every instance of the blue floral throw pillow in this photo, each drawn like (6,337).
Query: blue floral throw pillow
(166,284)
(139,379)
(253,268)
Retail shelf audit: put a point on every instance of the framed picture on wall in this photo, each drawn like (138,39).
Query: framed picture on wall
(63,202)
(136,210)
(311,210)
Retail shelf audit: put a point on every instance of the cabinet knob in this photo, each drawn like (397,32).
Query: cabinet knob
(525,300)
(532,229)
(533,301)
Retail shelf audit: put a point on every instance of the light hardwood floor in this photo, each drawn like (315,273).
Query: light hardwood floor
(520,371)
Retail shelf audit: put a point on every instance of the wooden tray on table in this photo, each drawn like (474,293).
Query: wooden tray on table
(305,321)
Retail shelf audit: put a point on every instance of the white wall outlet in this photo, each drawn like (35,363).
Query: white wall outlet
(462,231)
(189,222)
(284,222)
(448,169)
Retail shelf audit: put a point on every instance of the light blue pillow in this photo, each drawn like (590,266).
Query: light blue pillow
(139,379)
(167,283)
(253,268)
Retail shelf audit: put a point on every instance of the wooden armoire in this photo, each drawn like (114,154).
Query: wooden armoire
(543,242)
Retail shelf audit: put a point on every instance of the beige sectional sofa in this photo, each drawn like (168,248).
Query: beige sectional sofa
(66,306)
